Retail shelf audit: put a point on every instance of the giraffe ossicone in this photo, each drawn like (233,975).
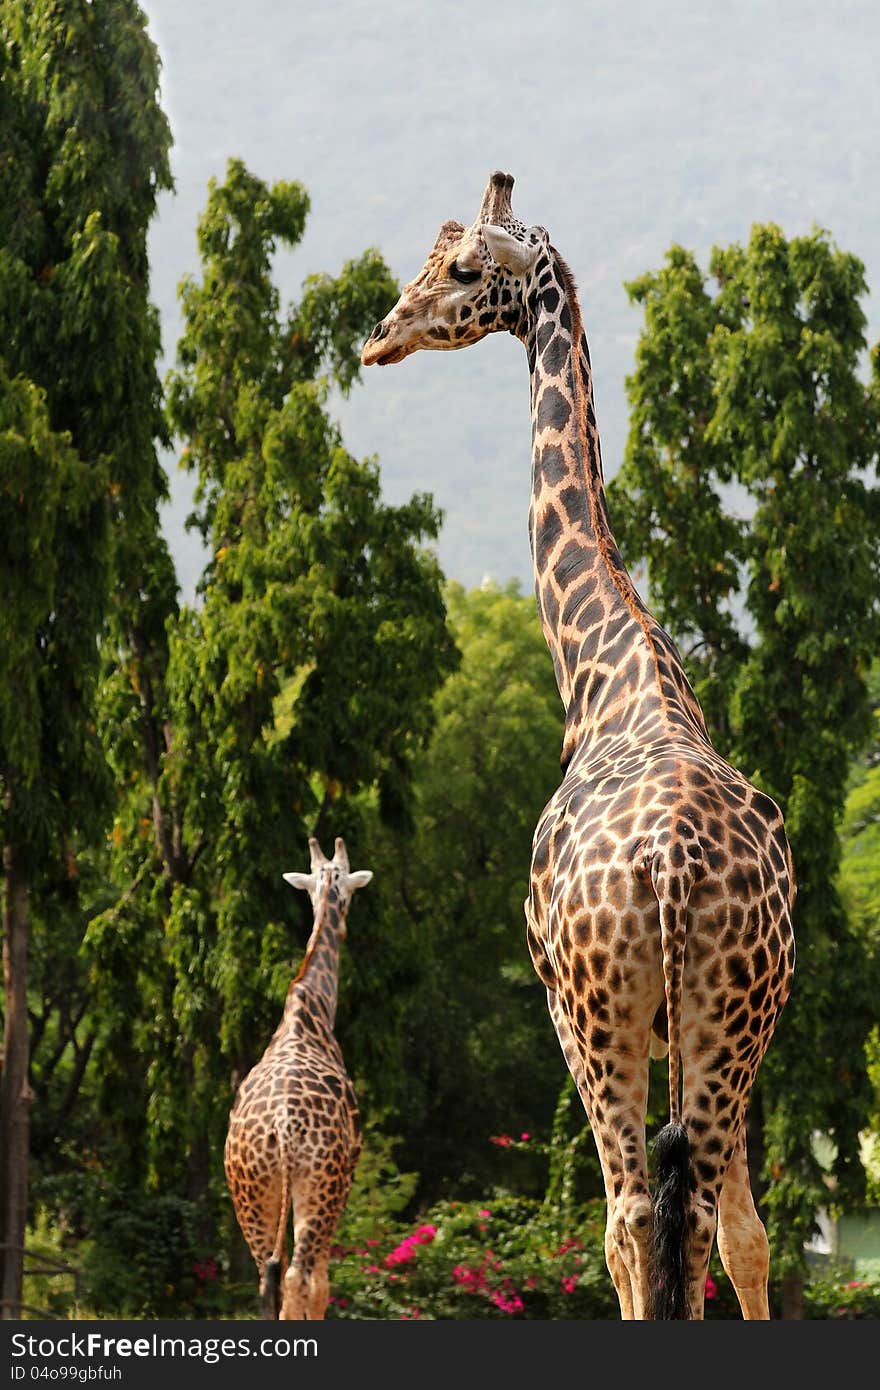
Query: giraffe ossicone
(294,1136)
(659,907)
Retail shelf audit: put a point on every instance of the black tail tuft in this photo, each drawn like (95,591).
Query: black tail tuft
(270,1293)
(669,1265)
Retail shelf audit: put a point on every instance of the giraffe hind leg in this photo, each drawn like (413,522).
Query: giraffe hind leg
(742,1240)
(319,1286)
(617,1257)
(257,1208)
(630,1217)
(306,1283)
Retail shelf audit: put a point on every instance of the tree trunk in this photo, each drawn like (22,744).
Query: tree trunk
(198,1162)
(755,1150)
(15,1094)
(793,1297)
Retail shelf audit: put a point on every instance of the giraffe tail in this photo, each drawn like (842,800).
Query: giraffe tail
(669,1279)
(270,1292)
(270,1288)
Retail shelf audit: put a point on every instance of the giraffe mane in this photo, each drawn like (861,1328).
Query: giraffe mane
(605,541)
(320,917)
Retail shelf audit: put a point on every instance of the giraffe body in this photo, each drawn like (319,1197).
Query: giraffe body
(294,1134)
(659,907)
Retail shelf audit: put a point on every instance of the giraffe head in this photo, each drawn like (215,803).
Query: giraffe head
(329,876)
(475,281)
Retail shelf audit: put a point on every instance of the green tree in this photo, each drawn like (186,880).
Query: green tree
(670,498)
(482,1060)
(302,677)
(760,387)
(860,894)
(43,485)
(83,152)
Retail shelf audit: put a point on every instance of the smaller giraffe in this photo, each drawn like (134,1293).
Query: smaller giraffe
(294,1131)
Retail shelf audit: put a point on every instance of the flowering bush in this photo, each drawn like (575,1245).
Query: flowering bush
(513,1259)
(516,1259)
(842,1297)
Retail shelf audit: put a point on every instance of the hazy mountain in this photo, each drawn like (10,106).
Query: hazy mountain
(627,126)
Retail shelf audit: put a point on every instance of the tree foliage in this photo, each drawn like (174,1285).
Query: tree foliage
(482,1058)
(757,388)
(162,765)
(83,152)
(302,678)
(860,894)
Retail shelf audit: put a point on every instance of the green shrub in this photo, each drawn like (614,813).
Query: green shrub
(836,1294)
(517,1258)
(513,1257)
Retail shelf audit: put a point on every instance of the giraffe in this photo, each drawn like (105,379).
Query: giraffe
(658,914)
(294,1130)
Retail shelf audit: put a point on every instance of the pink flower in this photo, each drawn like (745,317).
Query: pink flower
(483,1212)
(371,1269)
(372,1242)
(503,1141)
(205,1269)
(525,1138)
(405,1251)
(569,1283)
(569,1245)
(470,1279)
(514,1304)
(711,1287)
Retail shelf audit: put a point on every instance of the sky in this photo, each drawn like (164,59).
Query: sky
(628,127)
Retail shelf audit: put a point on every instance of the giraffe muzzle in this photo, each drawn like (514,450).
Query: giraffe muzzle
(375,350)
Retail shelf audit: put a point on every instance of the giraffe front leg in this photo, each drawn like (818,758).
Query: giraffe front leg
(742,1240)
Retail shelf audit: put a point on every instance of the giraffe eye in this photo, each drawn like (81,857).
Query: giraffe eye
(464,277)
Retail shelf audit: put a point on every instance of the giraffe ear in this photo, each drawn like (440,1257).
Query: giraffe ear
(515,256)
(304,881)
(359,879)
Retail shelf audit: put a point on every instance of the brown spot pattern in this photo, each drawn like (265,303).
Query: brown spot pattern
(661,889)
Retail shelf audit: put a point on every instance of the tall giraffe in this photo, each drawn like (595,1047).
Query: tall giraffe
(659,907)
(294,1131)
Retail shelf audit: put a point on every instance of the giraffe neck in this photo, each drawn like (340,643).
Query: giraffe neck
(609,653)
(317,983)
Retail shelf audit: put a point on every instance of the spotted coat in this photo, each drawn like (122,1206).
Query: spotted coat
(294,1134)
(659,907)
